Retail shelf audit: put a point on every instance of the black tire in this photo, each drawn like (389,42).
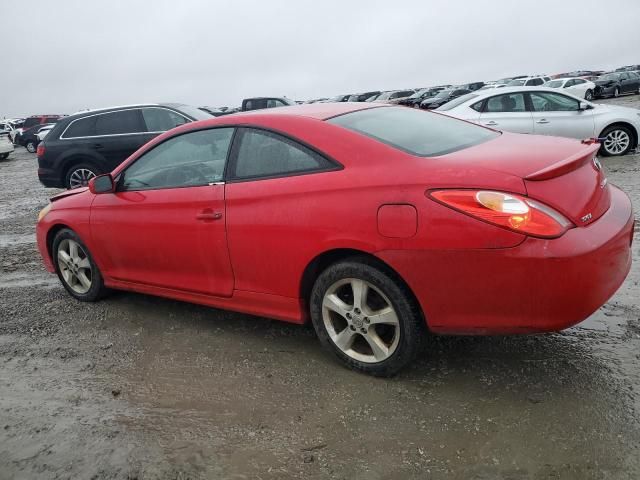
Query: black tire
(588,95)
(77,168)
(4,156)
(97,289)
(607,131)
(411,329)
(30,146)
(616,92)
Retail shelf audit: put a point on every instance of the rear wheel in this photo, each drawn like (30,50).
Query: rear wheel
(367,318)
(30,146)
(617,140)
(79,175)
(588,95)
(75,267)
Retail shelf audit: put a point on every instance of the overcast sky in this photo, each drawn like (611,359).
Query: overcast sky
(62,56)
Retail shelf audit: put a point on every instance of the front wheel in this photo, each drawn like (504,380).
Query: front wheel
(366,317)
(588,95)
(617,141)
(75,267)
(30,146)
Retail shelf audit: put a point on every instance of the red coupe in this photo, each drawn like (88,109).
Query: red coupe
(379,223)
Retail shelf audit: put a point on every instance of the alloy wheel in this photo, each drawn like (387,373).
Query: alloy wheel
(360,320)
(31,148)
(74,266)
(589,95)
(80,177)
(616,142)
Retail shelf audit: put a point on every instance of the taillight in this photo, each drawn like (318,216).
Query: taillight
(40,150)
(506,210)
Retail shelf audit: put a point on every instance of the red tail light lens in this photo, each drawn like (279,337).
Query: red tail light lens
(507,210)
(40,150)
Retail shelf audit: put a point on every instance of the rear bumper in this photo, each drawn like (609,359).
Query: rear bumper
(49,178)
(538,286)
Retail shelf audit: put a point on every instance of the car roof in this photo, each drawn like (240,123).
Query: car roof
(91,111)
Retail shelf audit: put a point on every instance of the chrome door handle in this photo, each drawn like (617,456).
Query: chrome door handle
(491,123)
(543,120)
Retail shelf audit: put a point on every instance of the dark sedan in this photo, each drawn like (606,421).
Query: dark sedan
(443,97)
(617,83)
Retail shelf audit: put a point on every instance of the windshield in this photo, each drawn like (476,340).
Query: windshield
(419,93)
(385,96)
(554,83)
(457,101)
(417,132)
(443,94)
(516,83)
(194,112)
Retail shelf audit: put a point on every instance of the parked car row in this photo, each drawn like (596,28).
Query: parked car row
(547,111)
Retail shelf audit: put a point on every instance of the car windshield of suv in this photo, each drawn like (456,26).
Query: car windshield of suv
(420,133)
(194,112)
(516,83)
(554,83)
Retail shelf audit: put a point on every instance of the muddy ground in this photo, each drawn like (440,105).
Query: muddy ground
(146,388)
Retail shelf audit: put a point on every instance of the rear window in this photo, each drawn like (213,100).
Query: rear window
(414,131)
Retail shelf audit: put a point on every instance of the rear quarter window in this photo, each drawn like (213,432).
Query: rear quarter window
(419,133)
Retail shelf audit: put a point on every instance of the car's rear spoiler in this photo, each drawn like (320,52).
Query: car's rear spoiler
(568,164)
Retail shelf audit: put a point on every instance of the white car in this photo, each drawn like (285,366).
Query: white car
(6,145)
(579,87)
(43,132)
(546,111)
(528,81)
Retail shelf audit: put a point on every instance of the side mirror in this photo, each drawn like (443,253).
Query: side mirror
(102,184)
(584,106)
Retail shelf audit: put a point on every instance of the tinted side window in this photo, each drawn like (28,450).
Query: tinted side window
(513,102)
(477,106)
(161,120)
(534,82)
(553,102)
(83,127)
(114,123)
(188,160)
(266,154)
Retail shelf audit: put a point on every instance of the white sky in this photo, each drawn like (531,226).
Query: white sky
(65,55)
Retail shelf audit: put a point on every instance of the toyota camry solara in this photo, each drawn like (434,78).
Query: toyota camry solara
(380,224)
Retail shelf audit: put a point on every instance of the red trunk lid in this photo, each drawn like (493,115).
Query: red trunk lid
(559,172)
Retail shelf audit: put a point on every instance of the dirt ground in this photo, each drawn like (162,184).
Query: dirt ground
(136,387)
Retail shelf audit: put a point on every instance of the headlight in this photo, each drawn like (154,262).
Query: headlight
(43,212)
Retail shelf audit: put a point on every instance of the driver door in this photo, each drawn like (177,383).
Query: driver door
(165,224)
(559,115)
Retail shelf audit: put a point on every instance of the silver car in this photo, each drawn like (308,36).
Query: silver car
(545,111)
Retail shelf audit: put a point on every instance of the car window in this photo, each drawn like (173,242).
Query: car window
(161,119)
(579,81)
(83,127)
(554,84)
(553,102)
(478,106)
(534,82)
(263,154)
(510,102)
(624,76)
(414,131)
(570,83)
(118,123)
(188,160)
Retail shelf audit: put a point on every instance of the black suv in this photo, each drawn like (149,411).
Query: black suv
(89,143)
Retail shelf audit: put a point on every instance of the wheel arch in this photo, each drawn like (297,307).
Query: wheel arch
(74,159)
(622,123)
(51,235)
(319,263)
